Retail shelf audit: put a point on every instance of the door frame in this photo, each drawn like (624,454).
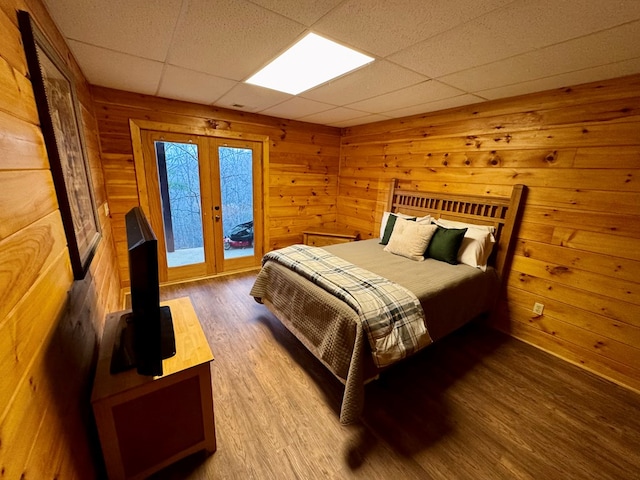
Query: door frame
(137,125)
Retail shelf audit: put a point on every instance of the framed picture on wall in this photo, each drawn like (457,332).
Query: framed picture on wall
(61,123)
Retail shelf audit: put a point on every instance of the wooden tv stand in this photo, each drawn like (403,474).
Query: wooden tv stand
(147,423)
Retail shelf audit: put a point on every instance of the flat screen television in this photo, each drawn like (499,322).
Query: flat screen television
(145,336)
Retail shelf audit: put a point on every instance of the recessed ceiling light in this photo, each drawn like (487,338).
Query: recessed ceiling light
(310,62)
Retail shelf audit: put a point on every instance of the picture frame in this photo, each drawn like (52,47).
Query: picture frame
(61,123)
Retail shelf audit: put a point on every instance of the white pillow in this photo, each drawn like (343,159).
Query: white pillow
(475,248)
(453,224)
(424,220)
(385,217)
(410,239)
(477,243)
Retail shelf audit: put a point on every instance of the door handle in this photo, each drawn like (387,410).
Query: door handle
(217,217)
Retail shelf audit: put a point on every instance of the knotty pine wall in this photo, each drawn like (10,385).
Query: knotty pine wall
(303,161)
(49,324)
(578,249)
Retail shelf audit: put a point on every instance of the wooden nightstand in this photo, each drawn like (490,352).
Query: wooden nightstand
(321,236)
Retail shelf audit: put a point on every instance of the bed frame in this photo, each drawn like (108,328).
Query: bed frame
(501,212)
(275,289)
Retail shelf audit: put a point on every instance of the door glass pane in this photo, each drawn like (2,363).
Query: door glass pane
(180,197)
(236,188)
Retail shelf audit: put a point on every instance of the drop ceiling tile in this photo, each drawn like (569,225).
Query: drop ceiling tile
(383,27)
(111,69)
(453,102)
(334,115)
(306,12)
(296,108)
(251,98)
(520,27)
(375,79)
(230,38)
(128,26)
(182,84)
(610,46)
(603,72)
(427,91)
(492,48)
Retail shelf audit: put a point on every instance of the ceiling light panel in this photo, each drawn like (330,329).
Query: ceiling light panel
(310,62)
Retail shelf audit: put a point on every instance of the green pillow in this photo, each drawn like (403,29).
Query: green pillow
(388,229)
(445,244)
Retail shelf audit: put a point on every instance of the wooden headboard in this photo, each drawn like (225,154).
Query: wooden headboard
(501,212)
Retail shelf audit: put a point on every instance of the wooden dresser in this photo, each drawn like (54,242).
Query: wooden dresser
(321,236)
(147,423)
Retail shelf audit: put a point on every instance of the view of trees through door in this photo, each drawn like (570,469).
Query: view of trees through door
(181,202)
(236,180)
(179,178)
(204,198)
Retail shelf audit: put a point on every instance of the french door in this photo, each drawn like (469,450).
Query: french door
(204,196)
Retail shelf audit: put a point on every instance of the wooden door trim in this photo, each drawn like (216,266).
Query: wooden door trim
(234,264)
(155,215)
(137,125)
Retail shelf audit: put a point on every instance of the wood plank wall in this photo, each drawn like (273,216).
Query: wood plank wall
(303,161)
(578,248)
(49,324)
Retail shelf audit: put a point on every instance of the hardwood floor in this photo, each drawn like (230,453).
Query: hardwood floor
(476,405)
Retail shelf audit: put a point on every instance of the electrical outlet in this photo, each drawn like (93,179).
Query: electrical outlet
(538,308)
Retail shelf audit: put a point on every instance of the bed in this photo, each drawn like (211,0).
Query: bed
(450,295)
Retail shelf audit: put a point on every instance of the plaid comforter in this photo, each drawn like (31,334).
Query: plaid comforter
(390,314)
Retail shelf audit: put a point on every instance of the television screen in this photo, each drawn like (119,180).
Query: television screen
(145,336)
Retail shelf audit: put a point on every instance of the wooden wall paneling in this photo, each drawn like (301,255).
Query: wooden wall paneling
(592,338)
(362,209)
(582,355)
(26,376)
(25,255)
(606,265)
(595,303)
(601,325)
(590,179)
(612,223)
(21,144)
(56,427)
(471,188)
(584,280)
(22,337)
(51,381)
(586,200)
(18,210)
(49,324)
(534,158)
(16,93)
(11,49)
(615,245)
(302,179)
(309,191)
(578,151)
(303,210)
(288,200)
(317,165)
(604,157)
